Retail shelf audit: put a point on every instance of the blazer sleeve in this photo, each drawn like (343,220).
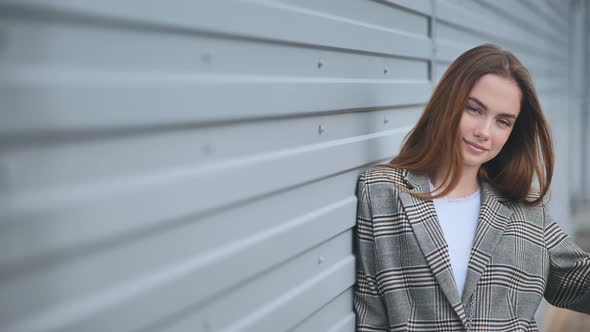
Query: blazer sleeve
(568,284)
(369,307)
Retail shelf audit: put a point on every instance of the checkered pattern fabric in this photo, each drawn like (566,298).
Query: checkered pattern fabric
(404,277)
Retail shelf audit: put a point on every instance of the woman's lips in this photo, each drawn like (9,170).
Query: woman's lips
(475,147)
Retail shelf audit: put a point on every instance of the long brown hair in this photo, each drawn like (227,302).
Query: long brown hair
(436,136)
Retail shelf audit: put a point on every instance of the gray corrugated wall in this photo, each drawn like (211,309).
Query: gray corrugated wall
(190,165)
(577,94)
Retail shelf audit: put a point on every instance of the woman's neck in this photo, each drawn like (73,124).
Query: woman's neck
(468,182)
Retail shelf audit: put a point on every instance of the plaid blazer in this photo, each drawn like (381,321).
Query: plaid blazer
(404,277)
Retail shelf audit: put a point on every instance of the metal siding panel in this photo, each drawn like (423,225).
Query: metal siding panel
(423,7)
(376,13)
(118,189)
(493,27)
(244,19)
(91,88)
(153,188)
(280,298)
(144,53)
(161,263)
(327,317)
(345,324)
(576,84)
(143,101)
(123,203)
(533,21)
(70,163)
(560,203)
(585,88)
(561,9)
(543,9)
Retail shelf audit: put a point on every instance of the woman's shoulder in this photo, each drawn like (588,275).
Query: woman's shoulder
(383,181)
(380,187)
(383,173)
(525,211)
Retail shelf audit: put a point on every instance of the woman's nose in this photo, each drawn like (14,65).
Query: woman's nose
(483,131)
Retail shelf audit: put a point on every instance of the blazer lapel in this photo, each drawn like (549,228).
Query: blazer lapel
(493,219)
(422,216)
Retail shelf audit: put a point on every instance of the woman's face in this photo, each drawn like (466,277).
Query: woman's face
(488,118)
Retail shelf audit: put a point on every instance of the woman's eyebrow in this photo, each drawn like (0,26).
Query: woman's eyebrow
(477,101)
(508,115)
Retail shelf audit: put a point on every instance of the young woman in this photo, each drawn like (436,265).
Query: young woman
(451,235)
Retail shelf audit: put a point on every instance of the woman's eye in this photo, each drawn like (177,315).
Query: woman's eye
(473,109)
(504,123)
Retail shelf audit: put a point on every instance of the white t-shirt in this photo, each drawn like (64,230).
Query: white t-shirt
(458,219)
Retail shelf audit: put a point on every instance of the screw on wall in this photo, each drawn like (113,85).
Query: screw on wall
(206,148)
(321,259)
(320,63)
(321,129)
(385,70)
(385,120)
(206,326)
(206,58)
